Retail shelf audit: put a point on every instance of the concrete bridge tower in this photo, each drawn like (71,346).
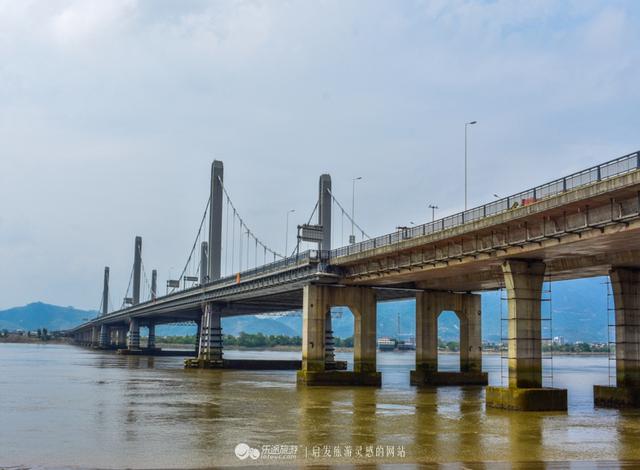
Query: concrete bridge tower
(204,263)
(103,339)
(324,211)
(137,264)
(215,220)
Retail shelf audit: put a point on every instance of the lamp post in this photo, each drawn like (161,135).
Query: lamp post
(433,212)
(352,237)
(466,124)
(286,234)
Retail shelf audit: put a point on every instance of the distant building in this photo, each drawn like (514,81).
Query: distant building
(558,340)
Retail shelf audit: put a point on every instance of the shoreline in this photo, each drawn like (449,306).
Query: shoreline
(17,339)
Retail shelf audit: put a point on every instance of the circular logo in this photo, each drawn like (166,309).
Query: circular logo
(242,451)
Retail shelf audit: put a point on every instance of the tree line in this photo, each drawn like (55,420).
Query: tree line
(256,340)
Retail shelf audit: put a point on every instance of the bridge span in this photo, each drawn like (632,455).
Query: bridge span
(582,225)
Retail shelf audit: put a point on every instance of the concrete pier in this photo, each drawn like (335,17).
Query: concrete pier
(151,338)
(429,306)
(121,337)
(625,284)
(104,340)
(523,281)
(317,302)
(134,334)
(95,337)
(210,340)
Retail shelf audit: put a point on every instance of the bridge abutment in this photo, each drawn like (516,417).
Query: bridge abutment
(625,284)
(523,281)
(317,302)
(429,306)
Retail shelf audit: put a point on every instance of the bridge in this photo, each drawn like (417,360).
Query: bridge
(581,225)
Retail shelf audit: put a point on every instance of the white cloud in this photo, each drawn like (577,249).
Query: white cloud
(111,111)
(81,20)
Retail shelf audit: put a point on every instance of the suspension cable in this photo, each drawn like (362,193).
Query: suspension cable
(347,214)
(195,242)
(251,233)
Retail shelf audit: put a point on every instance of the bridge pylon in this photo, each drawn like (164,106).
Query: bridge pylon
(137,265)
(215,220)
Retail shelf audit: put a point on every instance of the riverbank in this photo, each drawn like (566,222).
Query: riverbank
(21,339)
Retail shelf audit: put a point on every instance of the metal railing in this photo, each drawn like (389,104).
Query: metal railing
(594,174)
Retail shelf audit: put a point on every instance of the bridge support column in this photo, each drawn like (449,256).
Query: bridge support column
(330,362)
(151,338)
(523,281)
(210,344)
(95,337)
(134,335)
(317,302)
(198,331)
(121,337)
(429,306)
(625,284)
(104,342)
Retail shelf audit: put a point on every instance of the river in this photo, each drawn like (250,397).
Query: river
(67,406)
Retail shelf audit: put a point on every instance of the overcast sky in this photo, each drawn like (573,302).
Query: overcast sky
(112,111)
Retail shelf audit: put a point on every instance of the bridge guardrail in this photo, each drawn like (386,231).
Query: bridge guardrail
(600,172)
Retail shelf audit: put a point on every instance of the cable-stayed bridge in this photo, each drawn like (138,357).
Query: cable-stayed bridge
(580,225)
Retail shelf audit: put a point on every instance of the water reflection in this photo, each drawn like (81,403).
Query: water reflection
(146,412)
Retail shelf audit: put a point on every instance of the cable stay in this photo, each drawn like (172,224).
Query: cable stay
(126,295)
(195,244)
(346,214)
(244,231)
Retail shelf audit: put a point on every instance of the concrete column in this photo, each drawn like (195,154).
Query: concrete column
(104,336)
(134,334)
(105,291)
(429,306)
(315,304)
(204,263)
(470,334)
(137,265)
(215,220)
(427,311)
(151,341)
(198,331)
(364,332)
(122,337)
(625,284)
(317,301)
(154,284)
(329,344)
(523,281)
(95,336)
(324,211)
(210,350)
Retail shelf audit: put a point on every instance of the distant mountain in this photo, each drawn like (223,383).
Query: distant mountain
(578,309)
(41,315)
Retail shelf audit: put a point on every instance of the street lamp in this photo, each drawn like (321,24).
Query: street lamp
(286,234)
(352,237)
(433,212)
(466,124)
